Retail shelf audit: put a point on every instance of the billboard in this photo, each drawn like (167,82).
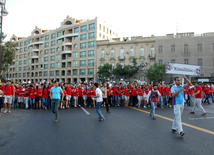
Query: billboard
(174,68)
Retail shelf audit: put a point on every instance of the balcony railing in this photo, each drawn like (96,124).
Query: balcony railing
(152,56)
(121,58)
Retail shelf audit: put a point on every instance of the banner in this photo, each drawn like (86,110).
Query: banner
(174,68)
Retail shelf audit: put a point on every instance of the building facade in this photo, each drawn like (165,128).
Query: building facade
(122,52)
(65,54)
(187,48)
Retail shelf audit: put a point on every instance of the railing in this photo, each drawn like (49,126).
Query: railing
(121,58)
(152,55)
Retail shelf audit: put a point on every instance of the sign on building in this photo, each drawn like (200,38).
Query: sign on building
(174,68)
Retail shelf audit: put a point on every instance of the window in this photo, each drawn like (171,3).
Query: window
(91,62)
(153,51)
(100,26)
(160,61)
(16,63)
(91,44)
(46,66)
(52,66)
(57,65)
(83,37)
(20,68)
(24,68)
(75,55)
(46,44)
(21,50)
(20,74)
(25,61)
(82,62)
(132,52)
(47,37)
(76,37)
(40,74)
(100,35)
(58,49)
(91,53)
(91,71)
(46,52)
(76,30)
(28,61)
(172,48)
(20,62)
(28,68)
(57,73)
(52,58)
(76,46)
(21,44)
(45,73)
(102,54)
(25,55)
(46,59)
(25,43)
(24,74)
(40,67)
(52,50)
(91,26)
(74,71)
(172,60)
(160,49)
(51,73)
(83,54)
(107,30)
(121,53)
(186,61)
(29,41)
(25,49)
(41,45)
(41,52)
(58,41)
(82,71)
(103,36)
(112,53)
(186,49)
(53,36)
(75,63)
(40,59)
(103,28)
(199,47)
(58,34)
(42,38)
(29,54)
(53,43)
(91,35)
(29,47)
(142,52)
(17,57)
(57,57)
(83,45)
(83,28)
(20,56)
(199,62)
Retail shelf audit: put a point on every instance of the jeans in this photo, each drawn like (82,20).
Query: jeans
(106,103)
(98,110)
(14,104)
(161,100)
(134,101)
(32,101)
(71,101)
(166,99)
(115,100)
(89,101)
(26,102)
(190,100)
(212,97)
(178,110)
(44,101)
(54,107)
(207,98)
(49,102)
(153,109)
(198,103)
(80,100)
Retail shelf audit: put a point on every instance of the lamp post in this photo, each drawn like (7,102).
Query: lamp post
(4,12)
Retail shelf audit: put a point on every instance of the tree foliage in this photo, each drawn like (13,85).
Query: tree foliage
(156,72)
(104,72)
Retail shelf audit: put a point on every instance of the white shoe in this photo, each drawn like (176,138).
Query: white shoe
(144,107)
(63,107)
(170,106)
(5,111)
(75,106)
(149,106)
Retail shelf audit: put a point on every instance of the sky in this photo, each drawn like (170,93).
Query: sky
(133,18)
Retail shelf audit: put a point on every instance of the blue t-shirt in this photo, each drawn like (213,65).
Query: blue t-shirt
(179,99)
(56,92)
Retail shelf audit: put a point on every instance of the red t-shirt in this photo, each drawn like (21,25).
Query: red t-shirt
(146,91)
(211,90)
(2,88)
(64,91)
(207,90)
(45,93)
(203,88)
(134,92)
(166,90)
(191,91)
(114,90)
(150,88)
(80,92)
(20,91)
(89,93)
(26,93)
(93,92)
(126,92)
(39,93)
(32,91)
(8,90)
(140,92)
(108,93)
(85,92)
(119,91)
(76,91)
(186,90)
(200,94)
(68,90)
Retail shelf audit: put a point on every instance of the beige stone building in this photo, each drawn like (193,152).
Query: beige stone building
(187,48)
(124,50)
(65,54)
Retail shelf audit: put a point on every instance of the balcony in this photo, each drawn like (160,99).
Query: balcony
(152,56)
(36,43)
(35,50)
(68,35)
(67,52)
(185,54)
(34,56)
(66,43)
(121,58)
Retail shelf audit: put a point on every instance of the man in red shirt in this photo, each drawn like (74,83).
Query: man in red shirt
(114,89)
(26,97)
(32,95)
(68,95)
(80,99)
(198,99)
(166,94)
(207,91)
(20,98)
(9,94)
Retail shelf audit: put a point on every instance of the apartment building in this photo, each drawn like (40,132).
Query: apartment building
(187,48)
(123,51)
(66,54)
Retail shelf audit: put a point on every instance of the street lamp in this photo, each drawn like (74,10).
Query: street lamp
(4,12)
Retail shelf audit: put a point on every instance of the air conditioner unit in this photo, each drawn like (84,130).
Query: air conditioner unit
(107,53)
(127,52)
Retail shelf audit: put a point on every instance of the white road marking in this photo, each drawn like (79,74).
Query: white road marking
(85,110)
(201,118)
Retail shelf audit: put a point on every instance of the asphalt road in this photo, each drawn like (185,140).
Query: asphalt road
(125,131)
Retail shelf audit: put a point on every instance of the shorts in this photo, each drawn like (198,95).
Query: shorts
(123,97)
(38,99)
(84,97)
(93,98)
(126,97)
(8,99)
(20,99)
(75,97)
(140,98)
(68,97)
(119,97)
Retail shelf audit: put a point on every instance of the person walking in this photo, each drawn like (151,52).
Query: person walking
(198,99)
(55,99)
(99,99)
(9,94)
(178,101)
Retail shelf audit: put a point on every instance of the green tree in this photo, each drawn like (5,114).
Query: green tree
(132,69)
(104,72)
(118,71)
(156,72)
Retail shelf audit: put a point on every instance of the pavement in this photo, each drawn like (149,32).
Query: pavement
(125,131)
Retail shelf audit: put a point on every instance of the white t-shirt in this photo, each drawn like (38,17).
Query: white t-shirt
(99,99)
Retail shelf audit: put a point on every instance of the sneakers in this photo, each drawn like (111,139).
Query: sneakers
(182,134)
(9,111)
(103,119)
(154,118)
(144,107)
(149,106)
(203,114)
(192,112)
(174,131)
(170,106)
(5,111)
(75,106)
